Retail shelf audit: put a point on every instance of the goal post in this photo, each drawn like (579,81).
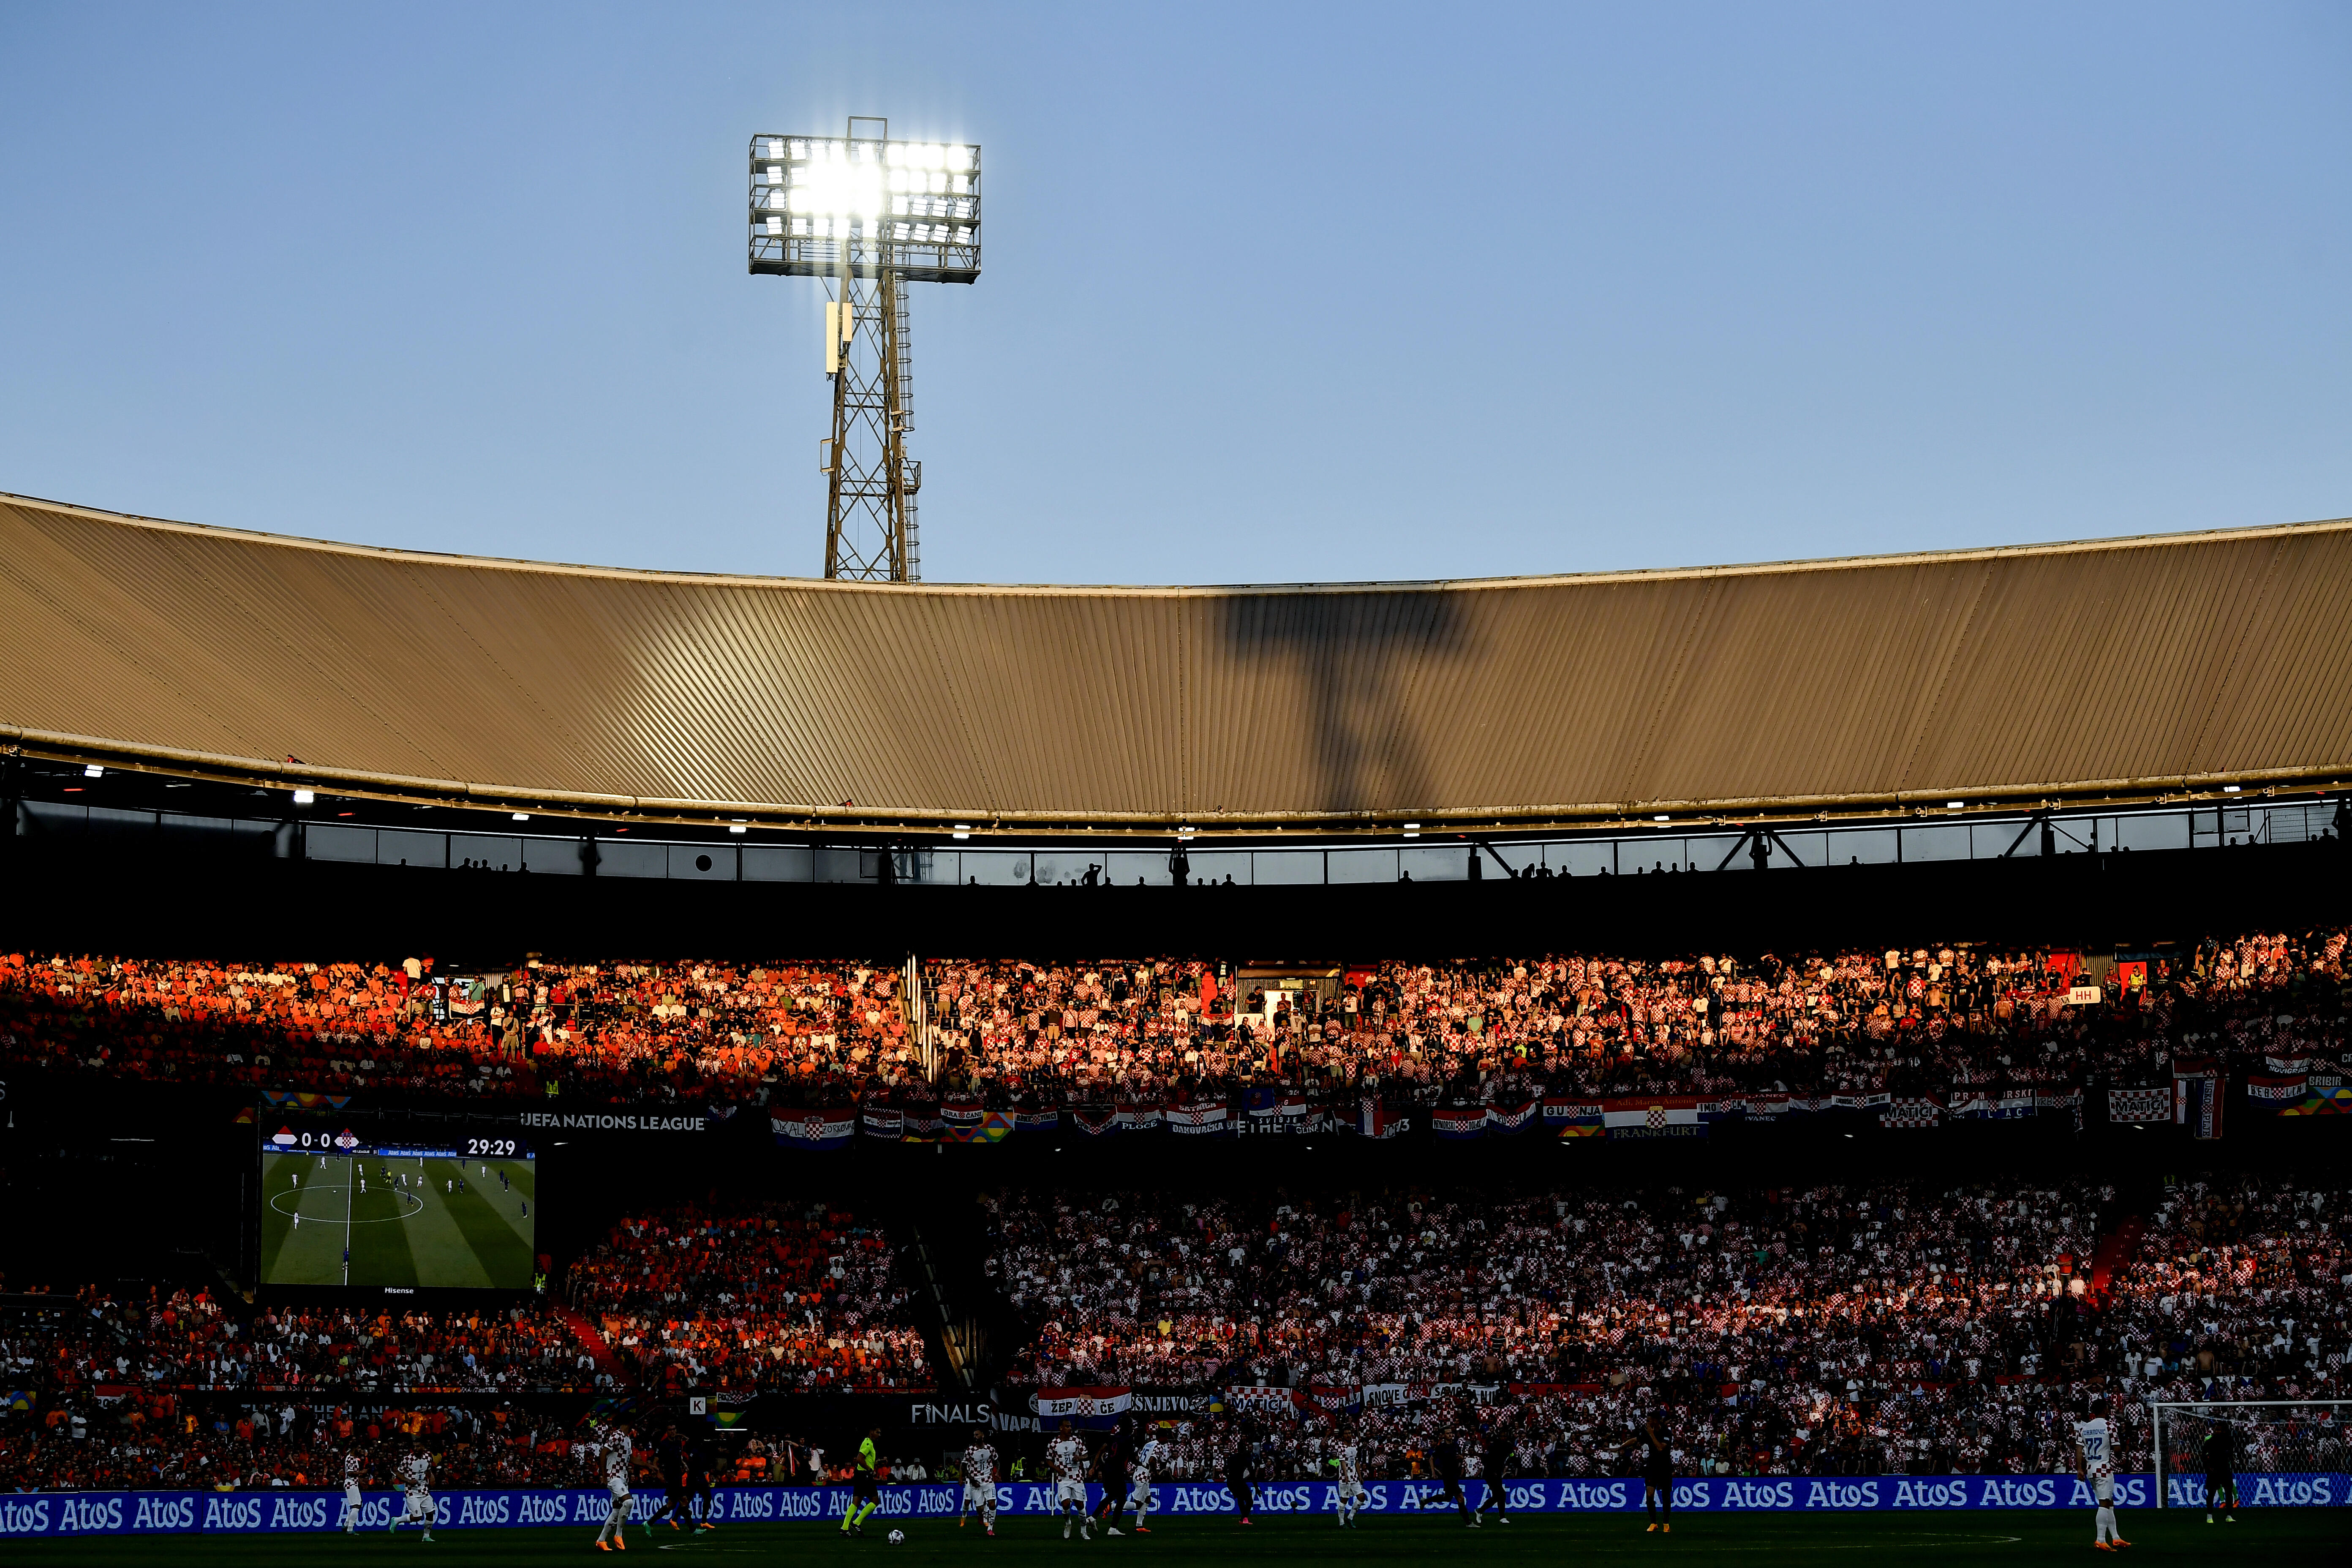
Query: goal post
(2294,1452)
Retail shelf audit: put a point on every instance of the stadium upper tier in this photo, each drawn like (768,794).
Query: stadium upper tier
(2125,668)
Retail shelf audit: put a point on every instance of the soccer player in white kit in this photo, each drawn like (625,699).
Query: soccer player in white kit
(1148,1456)
(980,1480)
(1067,1454)
(2095,1462)
(1347,1458)
(613,1444)
(351,1519)
(417,1471)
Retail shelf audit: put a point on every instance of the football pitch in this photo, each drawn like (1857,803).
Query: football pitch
(376,1220)
(2279,1536)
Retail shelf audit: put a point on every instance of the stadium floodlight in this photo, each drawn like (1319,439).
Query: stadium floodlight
(869,214)
(306,798)
(2232,789)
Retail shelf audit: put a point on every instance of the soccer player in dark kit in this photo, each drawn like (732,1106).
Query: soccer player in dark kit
(2221,1472)
(1657,1476)
(1445,1458)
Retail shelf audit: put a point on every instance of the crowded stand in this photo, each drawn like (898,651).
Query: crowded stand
(778,1298)
(1880,1328)
(1925,1019)
(186,1341)
(732,1303)
(1818,1331)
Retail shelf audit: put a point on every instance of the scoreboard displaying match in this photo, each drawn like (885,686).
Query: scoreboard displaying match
(381,1208)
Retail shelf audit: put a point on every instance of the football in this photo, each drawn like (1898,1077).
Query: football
(897,1536)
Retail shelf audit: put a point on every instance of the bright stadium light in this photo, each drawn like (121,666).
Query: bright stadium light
(823,204)
(869,214)
(306,798)
(92,771)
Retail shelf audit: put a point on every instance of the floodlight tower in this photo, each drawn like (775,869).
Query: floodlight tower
(870,216)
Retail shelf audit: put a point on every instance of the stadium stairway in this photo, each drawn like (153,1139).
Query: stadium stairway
(591,1339)
(2116,1251)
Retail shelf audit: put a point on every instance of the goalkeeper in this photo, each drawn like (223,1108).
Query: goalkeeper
(2221,1471)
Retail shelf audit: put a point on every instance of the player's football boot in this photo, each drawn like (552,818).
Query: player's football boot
(603,1546)
(2121,1543)
(2102,1546)
(1666,1527)
(1650,1527)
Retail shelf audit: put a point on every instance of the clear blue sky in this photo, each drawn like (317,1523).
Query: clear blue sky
(1271,293)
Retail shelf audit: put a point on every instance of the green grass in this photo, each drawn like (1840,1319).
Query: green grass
(422,1234)
(2280,1536)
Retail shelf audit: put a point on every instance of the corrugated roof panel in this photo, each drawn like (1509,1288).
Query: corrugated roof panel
(2019,669)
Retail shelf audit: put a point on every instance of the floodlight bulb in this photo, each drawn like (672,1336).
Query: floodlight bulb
(522,816)
(92,771)
(306,798)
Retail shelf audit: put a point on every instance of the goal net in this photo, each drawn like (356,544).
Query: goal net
(2282,1452)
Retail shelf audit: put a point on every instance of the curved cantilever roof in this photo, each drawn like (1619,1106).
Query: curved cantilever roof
(2114,669)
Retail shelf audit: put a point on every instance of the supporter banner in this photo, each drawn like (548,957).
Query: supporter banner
(1906,1111)
(1036,1119)
(54,1514)
(1141,1118)
(1506,1117)
(1198,1118)
(1094,1121)
(877,1119)
(962,1116)
(1665,1116)
(1574,1118)
(1095,1408)
(2139,1105)
(830,1128)
(2197,1101)
(1374,1120)
(2266,1093)
(1459,1121)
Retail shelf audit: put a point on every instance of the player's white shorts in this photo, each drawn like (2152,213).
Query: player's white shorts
(1065,1492)
(420,1506)
(2104,1488)
(979,1495)
(1138,1494)
(351,1499)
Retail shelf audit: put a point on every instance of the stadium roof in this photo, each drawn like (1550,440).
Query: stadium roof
(2131,668)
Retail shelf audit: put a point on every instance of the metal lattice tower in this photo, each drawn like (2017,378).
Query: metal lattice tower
(870,216)
(871,532)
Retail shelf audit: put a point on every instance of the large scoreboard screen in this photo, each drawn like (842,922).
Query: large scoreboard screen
(348,1203)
